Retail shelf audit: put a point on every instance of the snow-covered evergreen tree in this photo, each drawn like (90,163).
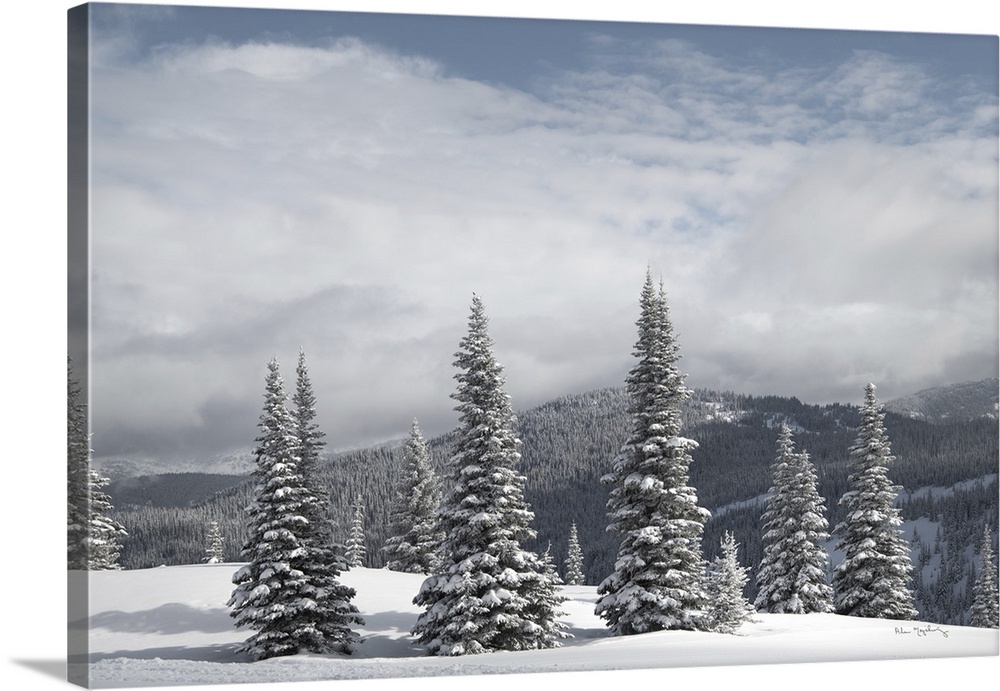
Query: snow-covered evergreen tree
(105,532)
(78,477)
(574,559)
(544,607)
(356,542)
(489,593)
(658,578)
(792,575)
(549,566)
(93,535)
(414,538)
(323,560)
(309,434)
(985,607)
(214,543)
(292,604)
(728,607)
(317,531)
(873,579)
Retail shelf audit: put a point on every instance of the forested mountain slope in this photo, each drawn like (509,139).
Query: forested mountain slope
(965,401)
(568,444)
(172,489)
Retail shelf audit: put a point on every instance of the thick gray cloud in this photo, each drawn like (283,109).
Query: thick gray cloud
(817,225)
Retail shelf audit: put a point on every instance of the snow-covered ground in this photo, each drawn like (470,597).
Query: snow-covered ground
(170,626)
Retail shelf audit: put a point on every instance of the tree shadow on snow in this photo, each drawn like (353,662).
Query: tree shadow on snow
(387,634)
(201,653)
(171,618)
(389,621)
(580,634)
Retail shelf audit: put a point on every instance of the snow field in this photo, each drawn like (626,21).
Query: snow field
(170,626)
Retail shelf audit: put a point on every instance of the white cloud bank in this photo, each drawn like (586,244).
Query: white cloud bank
(816,227)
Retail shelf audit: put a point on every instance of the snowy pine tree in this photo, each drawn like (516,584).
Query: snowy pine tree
(93,535)
(658,578)
(356,541)
(549,566)
(489,593)
(323,559)
(792,575)
(985,606)
(574,559)
(293,605)
(309,435)
(728,607)
(78,477)
(873,580)
(310,440)
(214,543)
(412,545)
(544,606)
(105,532)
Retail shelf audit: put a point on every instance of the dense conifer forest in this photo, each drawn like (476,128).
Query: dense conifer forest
(946,466)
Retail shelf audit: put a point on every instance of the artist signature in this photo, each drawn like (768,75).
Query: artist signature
(921,631)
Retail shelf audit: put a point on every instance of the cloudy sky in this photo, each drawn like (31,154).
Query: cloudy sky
(821,207)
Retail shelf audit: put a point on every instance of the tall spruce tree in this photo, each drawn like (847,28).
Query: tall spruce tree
(356,541)
(93,534)
(574,559)
(414,539)
(792,575)
(873,579)
(325,560)
(309,434)
(294,604)
(985,611)
(489,593)
(658,578)
(728,607)
(310,443)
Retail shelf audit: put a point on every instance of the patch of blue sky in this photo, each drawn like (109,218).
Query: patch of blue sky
(515,52)
(694,83)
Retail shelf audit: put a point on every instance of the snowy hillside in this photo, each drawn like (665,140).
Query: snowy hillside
(170,626)
(965,401)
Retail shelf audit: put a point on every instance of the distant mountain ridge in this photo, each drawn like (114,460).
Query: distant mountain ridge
(957,402)
(569,443)
(116,468)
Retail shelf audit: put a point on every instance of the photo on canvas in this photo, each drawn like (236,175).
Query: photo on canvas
(407,346)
